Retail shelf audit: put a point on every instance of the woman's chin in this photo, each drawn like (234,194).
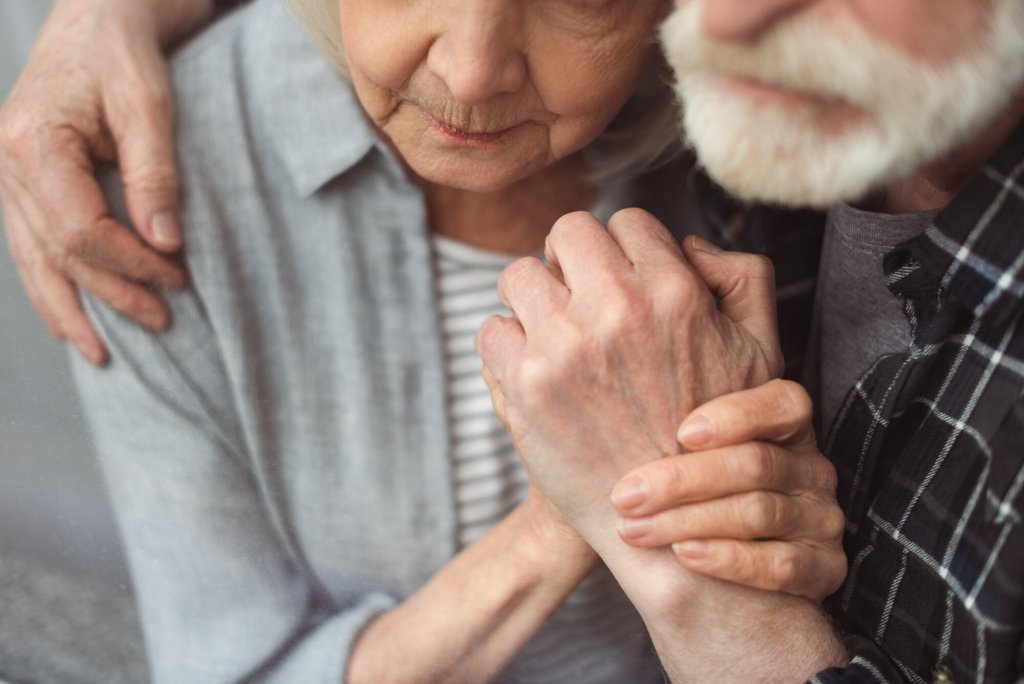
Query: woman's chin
(482,177)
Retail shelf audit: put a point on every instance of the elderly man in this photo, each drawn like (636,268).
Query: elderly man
(913,361)
(907,119)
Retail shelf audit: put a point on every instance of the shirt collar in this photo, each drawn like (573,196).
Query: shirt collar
(319,130)
(974,249)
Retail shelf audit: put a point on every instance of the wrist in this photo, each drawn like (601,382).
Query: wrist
(550,542)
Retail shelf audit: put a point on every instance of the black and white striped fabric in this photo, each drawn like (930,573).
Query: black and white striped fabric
(596,636)
(489,481)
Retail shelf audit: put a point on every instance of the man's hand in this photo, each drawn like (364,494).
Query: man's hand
(614,345)
(754,502)
(608,352)
(95,90)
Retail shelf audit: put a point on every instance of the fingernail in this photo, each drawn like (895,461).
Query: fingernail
(695,431)
(91,352)
(630,493)
(634,527)
(691,549)
(166,232)
(702,245)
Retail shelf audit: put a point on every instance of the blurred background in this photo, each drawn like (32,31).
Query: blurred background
(65,604)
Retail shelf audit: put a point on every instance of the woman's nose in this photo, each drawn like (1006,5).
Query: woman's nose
(745,20)
(479,55)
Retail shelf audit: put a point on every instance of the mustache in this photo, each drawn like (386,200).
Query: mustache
(838,62)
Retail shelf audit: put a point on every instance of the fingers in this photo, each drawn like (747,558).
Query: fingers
(798,569)
(497,396)
(645,241)
(75,225)
(530,291)
(745,287)
(747,516)
(499,340)
(686,478)
(142,124)
(130,299)
(779,411)
(580,249)
(52,295)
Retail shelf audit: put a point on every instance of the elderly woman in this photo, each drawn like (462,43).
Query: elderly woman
(309,477)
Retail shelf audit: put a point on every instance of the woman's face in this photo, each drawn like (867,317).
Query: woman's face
(478,94)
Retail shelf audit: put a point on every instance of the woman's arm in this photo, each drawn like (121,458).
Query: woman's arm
(472,618)
(223,597)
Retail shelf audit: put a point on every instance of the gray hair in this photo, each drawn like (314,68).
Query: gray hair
(644,135)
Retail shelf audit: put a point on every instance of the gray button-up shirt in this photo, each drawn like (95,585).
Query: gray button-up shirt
(279,461)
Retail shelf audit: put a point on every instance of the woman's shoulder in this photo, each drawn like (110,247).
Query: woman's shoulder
(253,93)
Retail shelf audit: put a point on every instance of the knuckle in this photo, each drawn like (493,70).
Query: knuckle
(786,569)
(572,226)
(536,379)
(827,474)
(763,514)
(636,216)
(72,241)
(488,334)
(676,293)
(155,94)
(837,569)
(519,273)
(674,479)
(834,524)
(760,464)
(15,134)
(794,399)
(757,266)
(154,176)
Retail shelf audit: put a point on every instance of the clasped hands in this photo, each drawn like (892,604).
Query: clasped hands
(638,382)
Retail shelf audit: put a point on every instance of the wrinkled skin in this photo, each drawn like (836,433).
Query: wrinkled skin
(614,346)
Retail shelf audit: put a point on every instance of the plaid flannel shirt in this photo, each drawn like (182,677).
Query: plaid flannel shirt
(929,443)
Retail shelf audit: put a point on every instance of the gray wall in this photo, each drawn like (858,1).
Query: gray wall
(53,506)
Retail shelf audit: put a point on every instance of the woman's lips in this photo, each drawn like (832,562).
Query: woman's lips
(474,139)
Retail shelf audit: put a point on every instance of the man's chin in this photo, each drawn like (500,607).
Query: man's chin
(796,170)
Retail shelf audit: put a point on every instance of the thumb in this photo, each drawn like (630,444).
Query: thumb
(145,146)
(745,287)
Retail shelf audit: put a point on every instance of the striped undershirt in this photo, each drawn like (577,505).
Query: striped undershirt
(595,636)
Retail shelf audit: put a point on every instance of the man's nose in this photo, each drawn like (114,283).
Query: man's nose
(479,55)
(745,20)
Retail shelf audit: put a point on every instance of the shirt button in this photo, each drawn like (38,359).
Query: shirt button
(942,675)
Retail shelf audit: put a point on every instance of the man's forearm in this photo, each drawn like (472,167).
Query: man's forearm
(170,20)
(707,630)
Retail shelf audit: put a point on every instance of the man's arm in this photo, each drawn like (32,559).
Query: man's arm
(593,377)
(95,91)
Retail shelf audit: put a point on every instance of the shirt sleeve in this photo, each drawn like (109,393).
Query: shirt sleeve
(221,597)
(868,665)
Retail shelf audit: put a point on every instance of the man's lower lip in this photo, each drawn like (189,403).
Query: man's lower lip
(768,92)
(478,140)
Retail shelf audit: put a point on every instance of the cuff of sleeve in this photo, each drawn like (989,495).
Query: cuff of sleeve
(867,664)
(322,656)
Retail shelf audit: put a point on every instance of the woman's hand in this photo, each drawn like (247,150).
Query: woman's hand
(95,90)
(610,349)
(754,502)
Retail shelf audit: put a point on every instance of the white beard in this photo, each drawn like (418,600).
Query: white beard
(911,111)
